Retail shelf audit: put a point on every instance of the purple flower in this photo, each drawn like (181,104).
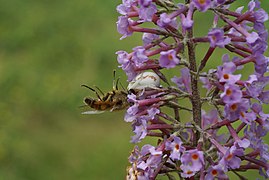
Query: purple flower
(145,3)
(214,172)
(125,7)
(210,118)
(217,38)
(123,26)
(152,112)
(139,56)
(252,37)
(165,21)
(225,73)
(146,13)
(193,158)
(187,21)
(255,89)
(230,159)
(184,81)
(187,171)
(168,59)
(175,147)
(148,38)
(232,94)
(126,64)
(234,110)
(202,5)
(140,130)
(247,117)
(261,16)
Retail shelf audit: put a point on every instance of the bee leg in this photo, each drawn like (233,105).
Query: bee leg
(115,108)
(122,87)
(114,81)
(83,85)
(99,90)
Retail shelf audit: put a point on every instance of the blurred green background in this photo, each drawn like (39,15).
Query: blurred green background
(47,50)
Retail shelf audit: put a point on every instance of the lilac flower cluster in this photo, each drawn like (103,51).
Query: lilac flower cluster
(193,147)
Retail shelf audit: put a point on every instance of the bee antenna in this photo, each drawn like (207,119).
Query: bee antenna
(83,85)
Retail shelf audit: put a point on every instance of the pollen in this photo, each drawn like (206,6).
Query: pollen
(170,57)
(242,114)
(194,156)
(201,1)
(233,107)
(189,172)
(229,157)
(177,146)
(229,92)
(226,76)
(214,172)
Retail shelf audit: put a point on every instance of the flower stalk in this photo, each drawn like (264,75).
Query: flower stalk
(189,141)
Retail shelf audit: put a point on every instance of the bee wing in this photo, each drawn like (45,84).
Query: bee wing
(92,112)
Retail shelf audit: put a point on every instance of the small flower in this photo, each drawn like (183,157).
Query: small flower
(124,59)
(225,73)
(152,112)
(187,21)
(145,3)
(202,5)
(193,158)
(217,38)
(168,59)
(252,37)
(139,56)
(231,159)
(123,26)
(210,118)
(232,94)
(187,171)
(165,21)
(233,111)
(140,129)
(247,117)
(175,147)
(148,38)
(184,81)
(214,172)
(146,13)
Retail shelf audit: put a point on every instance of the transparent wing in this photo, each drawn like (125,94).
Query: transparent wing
(93,112)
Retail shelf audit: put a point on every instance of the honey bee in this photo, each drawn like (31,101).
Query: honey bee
(111,101)
(117,99)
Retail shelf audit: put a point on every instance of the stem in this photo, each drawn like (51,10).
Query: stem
(195,98)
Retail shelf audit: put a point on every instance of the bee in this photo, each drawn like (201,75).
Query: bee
(117,99)
(111,101)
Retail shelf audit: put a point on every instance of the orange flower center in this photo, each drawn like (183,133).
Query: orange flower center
(226,76)
(242,114)
(229,157)
(194,156)
(201,1)
(234,107)
(170,57)
(177,146)
(189,172)
(214,172)
(229,92)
